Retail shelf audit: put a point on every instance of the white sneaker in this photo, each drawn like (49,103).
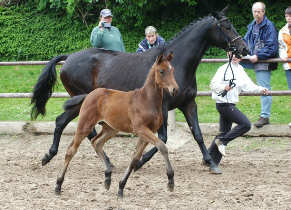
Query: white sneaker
(220,146)
(289,125)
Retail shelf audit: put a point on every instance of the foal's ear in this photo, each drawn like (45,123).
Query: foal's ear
(170,56)
(159,59)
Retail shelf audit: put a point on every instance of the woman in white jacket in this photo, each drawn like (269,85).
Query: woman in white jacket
(284,40)
(225,104)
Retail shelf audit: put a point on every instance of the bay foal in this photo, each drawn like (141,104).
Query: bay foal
(138,111)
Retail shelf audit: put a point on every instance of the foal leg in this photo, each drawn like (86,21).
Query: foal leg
(162,133)
(71,151)
(141,145)
(92,135)
(149,136)
(98,143)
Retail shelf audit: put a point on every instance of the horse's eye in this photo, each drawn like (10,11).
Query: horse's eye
(161,71)
(227,26)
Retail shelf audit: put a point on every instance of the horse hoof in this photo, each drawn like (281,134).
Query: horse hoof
(107,183)
(204,163)
(45,160)
(120,194)
(215,170)
(171,187)
(58,190)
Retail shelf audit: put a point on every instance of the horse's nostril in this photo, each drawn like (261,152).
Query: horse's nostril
(175,91)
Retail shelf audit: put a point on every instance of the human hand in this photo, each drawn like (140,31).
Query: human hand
(235,59)
(227,88)
(100,25)
(253,58)
(266,91)
(285,59)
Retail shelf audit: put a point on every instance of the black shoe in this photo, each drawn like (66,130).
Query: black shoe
(261,122)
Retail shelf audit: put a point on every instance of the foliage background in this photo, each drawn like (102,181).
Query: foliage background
(42,29)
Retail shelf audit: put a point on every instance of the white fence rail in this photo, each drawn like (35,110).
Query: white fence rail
(199,93)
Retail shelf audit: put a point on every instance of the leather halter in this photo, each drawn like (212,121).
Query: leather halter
(229,42)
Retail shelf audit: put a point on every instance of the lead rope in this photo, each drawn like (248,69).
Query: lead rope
(231,81)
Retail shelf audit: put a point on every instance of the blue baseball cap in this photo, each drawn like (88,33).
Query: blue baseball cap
(106,13)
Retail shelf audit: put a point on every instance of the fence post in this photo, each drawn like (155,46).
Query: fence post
(172,120)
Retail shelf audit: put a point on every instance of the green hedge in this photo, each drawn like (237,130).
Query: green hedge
(27,34)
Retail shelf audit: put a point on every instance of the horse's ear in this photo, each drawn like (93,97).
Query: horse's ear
(215,14)
(221,13)
(224,10)
(170,56)
(159,59)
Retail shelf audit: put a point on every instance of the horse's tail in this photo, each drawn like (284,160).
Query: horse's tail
(72,102)
(43,89)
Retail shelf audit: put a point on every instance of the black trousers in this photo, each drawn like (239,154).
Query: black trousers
(230,114)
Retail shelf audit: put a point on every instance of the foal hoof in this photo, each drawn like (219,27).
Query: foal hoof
(107,183)
(215,170)
(45,160)
(171,187)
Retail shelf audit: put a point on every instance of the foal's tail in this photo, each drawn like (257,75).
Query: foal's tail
(43,89)
(72,102)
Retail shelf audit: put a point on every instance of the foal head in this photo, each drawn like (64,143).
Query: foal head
(164,73)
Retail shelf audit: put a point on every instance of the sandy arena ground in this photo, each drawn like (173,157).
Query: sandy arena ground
(256,175)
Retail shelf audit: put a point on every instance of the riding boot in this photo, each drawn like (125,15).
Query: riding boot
(214,153)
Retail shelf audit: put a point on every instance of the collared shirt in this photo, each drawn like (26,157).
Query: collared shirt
(284,39)
(262,39)
(241,80)
(144,45)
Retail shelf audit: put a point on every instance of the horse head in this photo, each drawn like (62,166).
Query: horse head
(164,73)
(226,36)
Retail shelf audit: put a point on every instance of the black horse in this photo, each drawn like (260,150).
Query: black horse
(88,69)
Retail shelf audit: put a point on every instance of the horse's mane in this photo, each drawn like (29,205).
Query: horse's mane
(189,27)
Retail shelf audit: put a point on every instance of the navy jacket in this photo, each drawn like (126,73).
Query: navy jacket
(144,45)
(265,45)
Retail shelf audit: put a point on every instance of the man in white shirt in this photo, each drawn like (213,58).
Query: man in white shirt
(226,85)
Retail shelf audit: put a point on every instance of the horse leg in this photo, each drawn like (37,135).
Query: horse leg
(141,145)
(190,113)
(98,143)
(71,151)
(61,122)
(162,134)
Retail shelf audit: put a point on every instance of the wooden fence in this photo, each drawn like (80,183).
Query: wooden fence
(200,93)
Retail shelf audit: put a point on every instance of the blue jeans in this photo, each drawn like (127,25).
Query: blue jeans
(263,78)
(288,77)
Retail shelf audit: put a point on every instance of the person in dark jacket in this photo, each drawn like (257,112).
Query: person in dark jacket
(262,41)
(152,39)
